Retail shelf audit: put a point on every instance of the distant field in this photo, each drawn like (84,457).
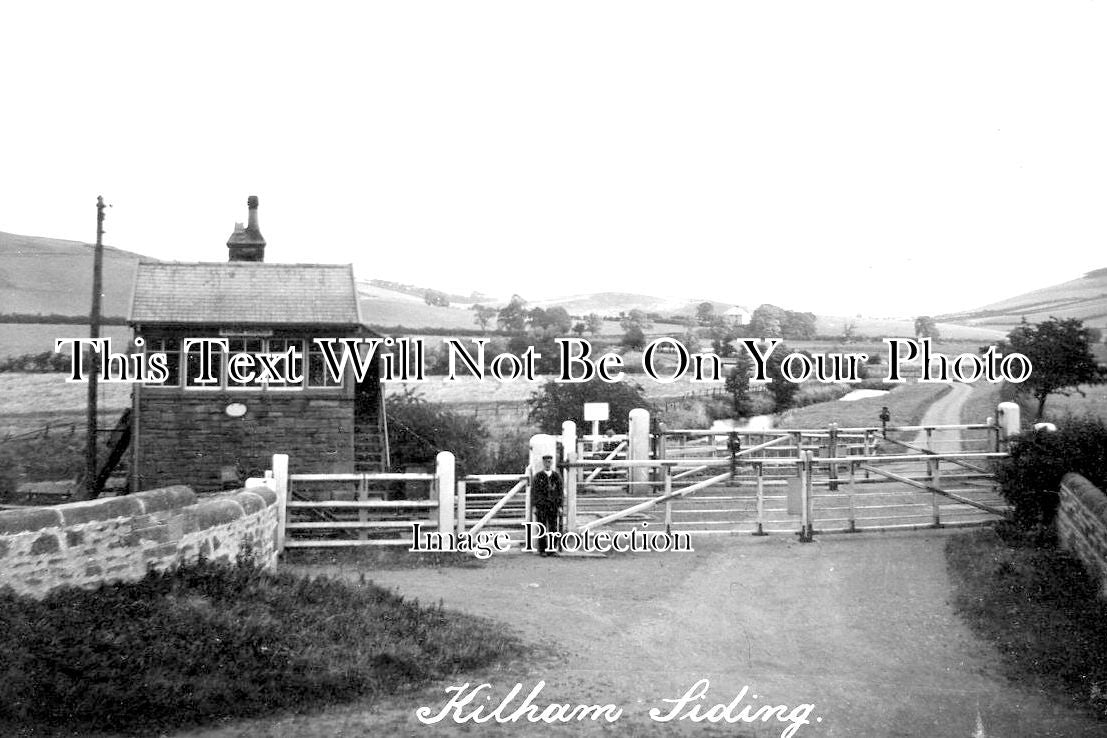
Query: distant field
(388,313)
(1058,406)
(415,315)
(881,328)
(43,393)
(17,339)
(38,397)
(470,389)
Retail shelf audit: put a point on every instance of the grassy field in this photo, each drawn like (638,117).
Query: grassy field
(892,327)
(1094,402)
(907,403)
(981,404)
(17,339)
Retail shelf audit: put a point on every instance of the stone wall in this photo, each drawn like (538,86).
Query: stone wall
(1082,525)
(186,437)
(120,538)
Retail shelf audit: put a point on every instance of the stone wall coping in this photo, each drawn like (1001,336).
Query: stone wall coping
(212,508)
(88,511)
(1091,496)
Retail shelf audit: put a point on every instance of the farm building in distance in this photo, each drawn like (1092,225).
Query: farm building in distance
(217,433)
(738,315)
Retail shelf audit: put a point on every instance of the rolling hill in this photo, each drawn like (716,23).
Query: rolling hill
(44,275)
(1084,298)
(49,275)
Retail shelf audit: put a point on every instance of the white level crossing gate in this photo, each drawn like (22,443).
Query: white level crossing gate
(797,481)
(698,482)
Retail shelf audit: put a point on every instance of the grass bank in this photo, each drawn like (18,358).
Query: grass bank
(907,404)
(210,641)
(1038,607)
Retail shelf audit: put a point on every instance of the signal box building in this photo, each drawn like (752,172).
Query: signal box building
(215,433)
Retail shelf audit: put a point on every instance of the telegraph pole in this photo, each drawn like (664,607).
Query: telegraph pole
(94,334)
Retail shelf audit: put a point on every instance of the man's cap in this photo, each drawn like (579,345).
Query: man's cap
(547,456)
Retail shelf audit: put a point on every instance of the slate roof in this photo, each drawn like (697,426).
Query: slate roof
(245,292)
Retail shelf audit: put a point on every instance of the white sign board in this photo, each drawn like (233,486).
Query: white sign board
(595,411)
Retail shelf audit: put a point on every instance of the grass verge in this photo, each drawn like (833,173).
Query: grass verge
(1037,605)
(212,641)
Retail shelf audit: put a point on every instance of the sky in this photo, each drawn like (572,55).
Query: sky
(876,158)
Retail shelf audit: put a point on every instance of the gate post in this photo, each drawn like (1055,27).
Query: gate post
(852,488)
(667,471)
(638,449)
(280,481)
(760,500)
(571,473)
(444,478)
(462,490)
(806,529)
(1007,418)
(935,481)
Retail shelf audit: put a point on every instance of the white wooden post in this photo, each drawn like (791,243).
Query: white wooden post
(462,489)
(280,481)
(569,475)
(1007,417)
(362,486)
(444,478)
(638,449)
(668,472)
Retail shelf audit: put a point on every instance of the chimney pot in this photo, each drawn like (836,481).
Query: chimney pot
(247,244)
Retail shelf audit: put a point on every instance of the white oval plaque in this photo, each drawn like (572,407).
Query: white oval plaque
(236,410)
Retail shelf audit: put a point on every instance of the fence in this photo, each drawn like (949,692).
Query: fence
(803,481)
(832,479)
(330,510)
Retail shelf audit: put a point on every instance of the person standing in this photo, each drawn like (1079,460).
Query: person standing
(547,493)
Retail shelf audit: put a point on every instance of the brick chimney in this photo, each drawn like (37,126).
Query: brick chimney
(247,244)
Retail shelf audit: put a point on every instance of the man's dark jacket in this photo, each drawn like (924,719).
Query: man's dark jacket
(546,491)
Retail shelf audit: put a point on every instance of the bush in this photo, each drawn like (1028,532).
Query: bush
(689,414)
(557,402)
(418,430)
(44,362)
(1032,473)
(50,454)
(509,453)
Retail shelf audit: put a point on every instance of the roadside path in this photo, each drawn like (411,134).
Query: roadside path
(860,626)
(946,410)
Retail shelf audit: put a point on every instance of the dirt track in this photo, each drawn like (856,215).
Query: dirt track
(858,625)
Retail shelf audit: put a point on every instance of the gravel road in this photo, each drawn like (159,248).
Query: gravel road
(859,626)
